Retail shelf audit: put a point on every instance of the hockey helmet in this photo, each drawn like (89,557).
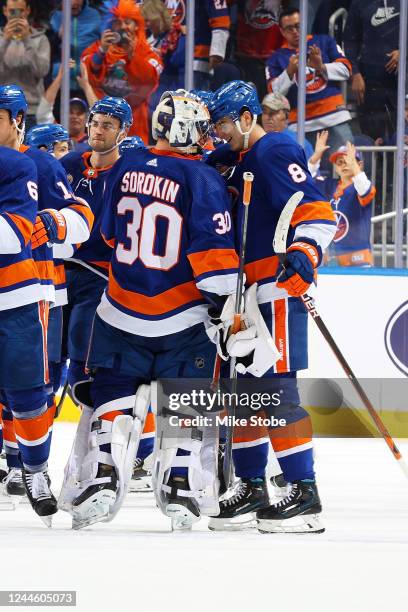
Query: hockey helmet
(46,135)
(204,96)
(114,107)
(231,99)
(131,143)
(182,119)
(12,98)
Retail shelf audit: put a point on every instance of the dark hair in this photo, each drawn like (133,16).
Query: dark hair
(288,12)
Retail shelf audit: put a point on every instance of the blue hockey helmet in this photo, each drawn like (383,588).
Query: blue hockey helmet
(204,96)
(131,143)
(115,107)
(46,135)
(12,98)
(231,99)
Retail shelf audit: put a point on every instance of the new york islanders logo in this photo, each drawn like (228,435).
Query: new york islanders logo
(342,226)
(177,9)
(396,338)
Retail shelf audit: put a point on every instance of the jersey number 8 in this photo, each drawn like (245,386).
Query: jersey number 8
(141,232)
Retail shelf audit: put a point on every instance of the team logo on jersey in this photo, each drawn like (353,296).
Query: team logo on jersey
(261,15)
(177,9)
(342,226)
(314,81)
(383,15)
(199,362)
(395,338)
(70,178)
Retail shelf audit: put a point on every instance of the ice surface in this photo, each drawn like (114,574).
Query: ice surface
(136,564)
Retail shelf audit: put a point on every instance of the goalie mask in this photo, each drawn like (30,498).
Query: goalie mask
(182,119)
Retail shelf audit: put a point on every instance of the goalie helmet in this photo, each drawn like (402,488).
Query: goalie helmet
(114,107)
(182,119)
(46,135)
(231,99)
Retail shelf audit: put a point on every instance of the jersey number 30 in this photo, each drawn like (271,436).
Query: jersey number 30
(141,232)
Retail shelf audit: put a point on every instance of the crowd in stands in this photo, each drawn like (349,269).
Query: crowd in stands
(136,49)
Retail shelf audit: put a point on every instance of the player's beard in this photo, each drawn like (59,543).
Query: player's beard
(101,146)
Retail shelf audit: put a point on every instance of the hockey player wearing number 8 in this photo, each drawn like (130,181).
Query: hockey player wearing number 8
(172,257)
(280,169)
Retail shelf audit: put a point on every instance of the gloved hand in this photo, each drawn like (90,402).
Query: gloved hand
(298,272)
(50,226)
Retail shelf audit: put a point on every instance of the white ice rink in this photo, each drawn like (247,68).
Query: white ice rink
(360,564)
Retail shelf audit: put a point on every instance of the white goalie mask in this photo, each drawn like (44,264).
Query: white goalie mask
(182,119)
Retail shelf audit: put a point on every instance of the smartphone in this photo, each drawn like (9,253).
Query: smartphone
(15,13)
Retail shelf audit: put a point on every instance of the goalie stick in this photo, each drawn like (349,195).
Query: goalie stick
(279,245)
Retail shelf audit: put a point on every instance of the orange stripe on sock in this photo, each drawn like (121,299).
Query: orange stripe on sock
(292,435)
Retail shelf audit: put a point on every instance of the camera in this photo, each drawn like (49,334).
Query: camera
(120,37)
(15,13)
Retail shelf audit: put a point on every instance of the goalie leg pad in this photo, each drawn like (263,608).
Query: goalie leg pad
(122,435)
(200,446)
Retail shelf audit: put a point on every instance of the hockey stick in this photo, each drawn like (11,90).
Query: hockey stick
(279,245)
(236,326)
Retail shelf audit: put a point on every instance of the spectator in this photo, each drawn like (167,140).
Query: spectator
(326,67)
(85,29)
(78,117)
(258,35)
(370,41)
(352,199)
(24,55)
(122,64)
(274,118)
(167,39)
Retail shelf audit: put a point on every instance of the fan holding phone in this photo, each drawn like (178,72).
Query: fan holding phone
(17,26)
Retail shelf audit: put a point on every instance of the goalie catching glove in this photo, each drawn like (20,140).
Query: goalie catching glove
(50,226)
(302,258)
(252,346)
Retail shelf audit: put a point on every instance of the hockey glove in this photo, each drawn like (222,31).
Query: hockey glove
(298,273)
(50,226)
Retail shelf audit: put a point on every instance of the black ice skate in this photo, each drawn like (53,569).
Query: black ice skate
(13,482)
(295,513)
(237,512)
(141,478)
(43,502)
(94,503)
(182,509)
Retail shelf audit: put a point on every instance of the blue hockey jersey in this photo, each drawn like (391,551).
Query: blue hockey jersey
(19,282)
(89,184)
(167,218)
(280,169)
(55,192)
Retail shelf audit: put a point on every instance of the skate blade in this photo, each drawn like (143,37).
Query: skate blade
(298,524)
(138,486)
(238,523)
(47,520)
(93,510)
(181,518)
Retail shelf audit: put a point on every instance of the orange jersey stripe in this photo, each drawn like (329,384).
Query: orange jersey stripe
(111,416)
(213,260)
(367,199)
(59,274)
(149,425)
(24,226)
(313,211)
(262,268)
(109,241)
(292,435)
(45,269)
(318,108)
(36,428)
(345,61)
(18,273)
(85,211)
(220,22)
(101,264)
(201,51)
(280,338)
(155,305)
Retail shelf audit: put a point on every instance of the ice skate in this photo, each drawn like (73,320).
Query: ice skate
(279,487)
(11,489)
(43,502)
(141,478)
(94,503)
(238,511)
(182,509)
(296,513)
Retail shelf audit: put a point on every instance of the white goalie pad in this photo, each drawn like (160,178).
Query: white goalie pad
(123,434)
(255,342)
(201,462)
